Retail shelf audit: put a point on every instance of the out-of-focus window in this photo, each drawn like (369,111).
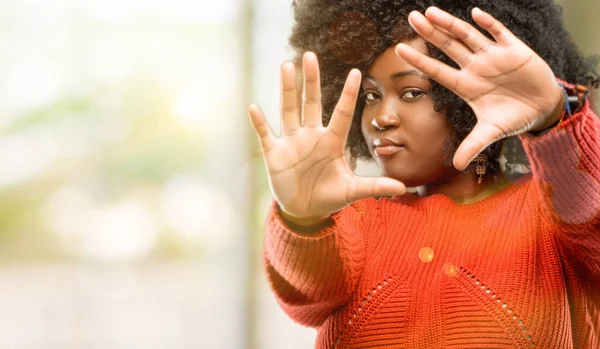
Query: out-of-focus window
(120,174)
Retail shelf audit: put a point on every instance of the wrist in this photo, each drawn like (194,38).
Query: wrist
(574,98)
(555,116)
(303,222)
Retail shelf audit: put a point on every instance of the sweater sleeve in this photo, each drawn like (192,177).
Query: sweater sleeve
(312,274)
(565,163)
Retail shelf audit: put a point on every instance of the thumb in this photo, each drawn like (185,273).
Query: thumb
(482,135)
(367,187)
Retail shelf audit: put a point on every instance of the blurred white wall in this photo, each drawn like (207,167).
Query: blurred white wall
(120,183)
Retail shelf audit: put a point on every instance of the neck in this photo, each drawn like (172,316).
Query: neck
(463,188)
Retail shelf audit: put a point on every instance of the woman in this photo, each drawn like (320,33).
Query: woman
(472,260)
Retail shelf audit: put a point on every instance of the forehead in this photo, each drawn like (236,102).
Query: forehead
(389,63)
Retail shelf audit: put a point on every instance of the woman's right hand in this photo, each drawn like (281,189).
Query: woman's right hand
(306,167)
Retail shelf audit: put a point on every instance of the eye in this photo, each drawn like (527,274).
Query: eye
(411,95)
(370,97)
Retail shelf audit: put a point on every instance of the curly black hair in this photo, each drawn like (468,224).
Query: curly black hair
(348,34)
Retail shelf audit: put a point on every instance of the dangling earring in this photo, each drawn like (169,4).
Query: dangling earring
(481,160)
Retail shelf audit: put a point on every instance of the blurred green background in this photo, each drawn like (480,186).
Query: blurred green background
(132,193)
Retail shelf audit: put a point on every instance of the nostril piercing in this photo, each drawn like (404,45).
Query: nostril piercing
(374,123)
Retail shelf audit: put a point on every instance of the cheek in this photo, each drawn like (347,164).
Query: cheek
(443,144)
(437,123)
(432,134)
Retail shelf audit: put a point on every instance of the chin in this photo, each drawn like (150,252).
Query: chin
(412,183)
(414,177)
(410,179)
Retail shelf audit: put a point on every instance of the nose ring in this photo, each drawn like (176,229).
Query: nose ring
(374,123)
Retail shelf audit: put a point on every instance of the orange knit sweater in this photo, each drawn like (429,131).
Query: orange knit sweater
(519,269)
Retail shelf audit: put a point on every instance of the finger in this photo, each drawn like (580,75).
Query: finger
(341,119)
(500,33)
(261,128)
(312,91)
(368,187)
(462,30)
(482,135)
(431,67)
(454,48)
(290,116)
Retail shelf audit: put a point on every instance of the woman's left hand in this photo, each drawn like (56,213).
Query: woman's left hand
(509,87)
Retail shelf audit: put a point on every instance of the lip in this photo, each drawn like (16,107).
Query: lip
(386,142)
(387,150)
(385,147)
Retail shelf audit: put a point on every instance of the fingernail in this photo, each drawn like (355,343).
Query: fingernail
(399,47)
(432,8)
(410,22)
(309,55)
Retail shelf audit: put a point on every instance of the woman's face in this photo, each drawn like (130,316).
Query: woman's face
(399,109)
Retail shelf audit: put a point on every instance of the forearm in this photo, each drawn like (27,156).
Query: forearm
(314,270)
(567,158)
(566,167)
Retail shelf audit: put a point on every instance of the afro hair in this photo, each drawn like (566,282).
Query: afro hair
(348,34)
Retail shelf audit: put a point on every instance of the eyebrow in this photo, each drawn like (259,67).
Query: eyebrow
(401,74)
(408,73)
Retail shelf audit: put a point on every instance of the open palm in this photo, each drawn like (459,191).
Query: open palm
(509,87)
(306,166)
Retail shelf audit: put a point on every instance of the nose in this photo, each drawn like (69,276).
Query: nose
(386,118)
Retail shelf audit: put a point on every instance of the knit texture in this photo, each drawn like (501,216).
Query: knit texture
(519,269)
